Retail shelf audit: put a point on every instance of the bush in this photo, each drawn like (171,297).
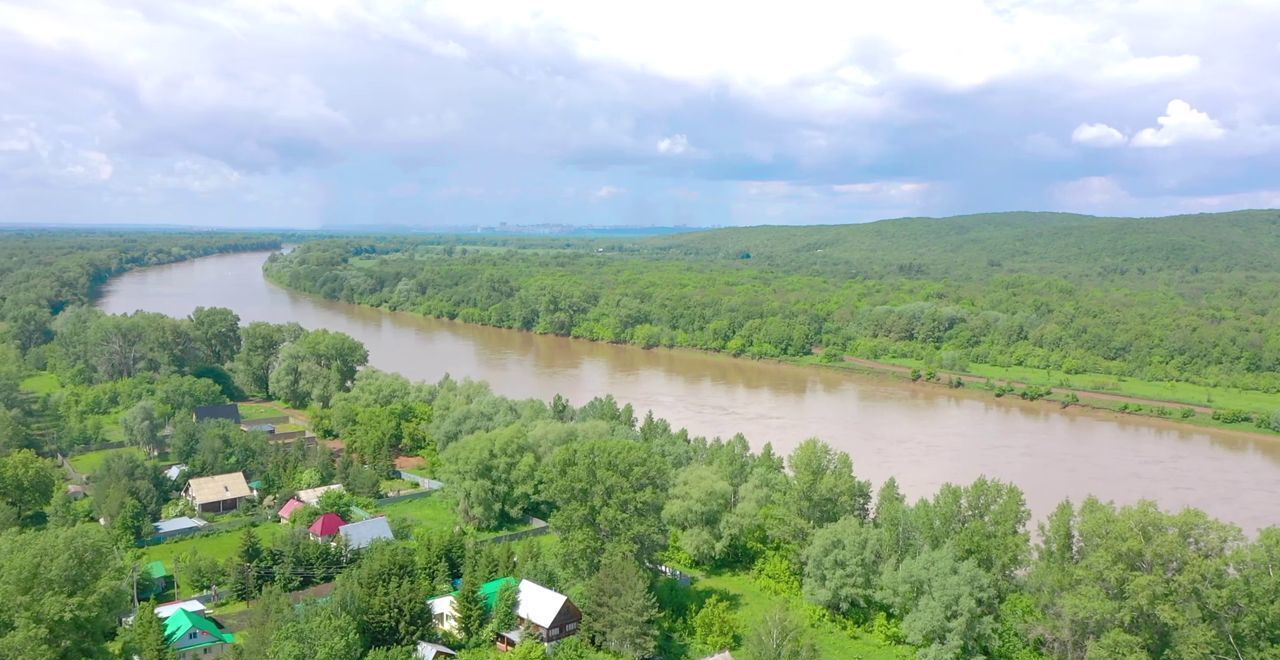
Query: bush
(915,375)
(1187,413)
(1232,416)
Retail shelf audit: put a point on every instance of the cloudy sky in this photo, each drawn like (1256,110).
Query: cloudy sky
(324,112)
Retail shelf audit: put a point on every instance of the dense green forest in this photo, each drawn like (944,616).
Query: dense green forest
(790,557)
(1187,298)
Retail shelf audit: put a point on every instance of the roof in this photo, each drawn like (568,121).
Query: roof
(181,622)
(289,507)
(327,524)
(157,570)
(312,495)
(175,471)
(218,487)
(179,524)
(488,591)
(166,610)
(225,411)
(539,604)
(75,488)
(362,534)
(429,651)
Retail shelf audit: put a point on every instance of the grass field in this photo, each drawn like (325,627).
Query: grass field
(255,410)
(89,462)
(1175,392)
(212,546)
(41,383)
(432,512)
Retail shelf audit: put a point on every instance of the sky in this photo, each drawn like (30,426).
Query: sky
(321,113)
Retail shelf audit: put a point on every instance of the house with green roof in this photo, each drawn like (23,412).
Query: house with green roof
(192,636)
(545,614)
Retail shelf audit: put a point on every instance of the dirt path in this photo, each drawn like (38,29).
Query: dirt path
(1106,396)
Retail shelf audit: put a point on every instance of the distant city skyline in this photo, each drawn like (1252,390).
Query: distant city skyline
(310,114)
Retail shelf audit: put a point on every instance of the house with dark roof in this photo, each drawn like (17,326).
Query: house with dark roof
(228,411)
(326,527)
(191,636)
(542,613)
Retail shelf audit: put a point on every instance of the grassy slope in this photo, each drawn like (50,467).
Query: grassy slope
(89,462)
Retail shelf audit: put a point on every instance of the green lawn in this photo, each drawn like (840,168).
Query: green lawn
(432,512)
(89,462)
(212,546)
(1175,392)
(250,411)
(41,383)
(750,603)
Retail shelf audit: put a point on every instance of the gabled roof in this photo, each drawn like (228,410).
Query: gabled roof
(362,534)
(157,570)
(539,604)
(289,507)
(218,487)
(181,622)
(168,609)
(175,471)
(488,592)
(327,524)
(312,495)
(225,411)
(179,524)
(429,651)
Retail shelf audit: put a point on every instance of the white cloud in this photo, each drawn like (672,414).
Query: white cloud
(1152,69)
(674,145)
(890,188)
(1180,123)
(196,175)
(607,192)
(1097,135)
(1091,193)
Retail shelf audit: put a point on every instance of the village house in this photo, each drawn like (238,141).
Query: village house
(326,527)
(191,636)
(312,495)
(219,493)
(542,613)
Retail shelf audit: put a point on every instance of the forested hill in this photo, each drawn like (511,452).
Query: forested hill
(995,243)
(1186,299)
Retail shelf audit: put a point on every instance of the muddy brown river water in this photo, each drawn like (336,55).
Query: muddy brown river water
(923,435)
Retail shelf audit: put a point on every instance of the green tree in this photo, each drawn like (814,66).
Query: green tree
(947,606)
(75,572)
(584,483)
(824,488)
(270,614)
(387,596)
(843,566)
(260,343)
(779,636)
(620,613)
(714,626)
(699,501)
(493,476)
(146,637)
(529,649)
(142,425)
(26,481)
(217,330)
(244,574)
(469,607)
(322,633)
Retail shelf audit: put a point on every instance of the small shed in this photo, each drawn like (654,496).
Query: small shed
(360,535)
(289,508)
(228,411)
(171,527)
(326,526)
(175,471)
(75,492)
(168,609)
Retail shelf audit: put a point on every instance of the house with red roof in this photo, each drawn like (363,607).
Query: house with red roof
(289,507)
(326,527)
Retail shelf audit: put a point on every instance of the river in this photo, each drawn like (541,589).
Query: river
(924,435)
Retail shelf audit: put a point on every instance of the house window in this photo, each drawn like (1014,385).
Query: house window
(192,635)
(206,650)
(570,627)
